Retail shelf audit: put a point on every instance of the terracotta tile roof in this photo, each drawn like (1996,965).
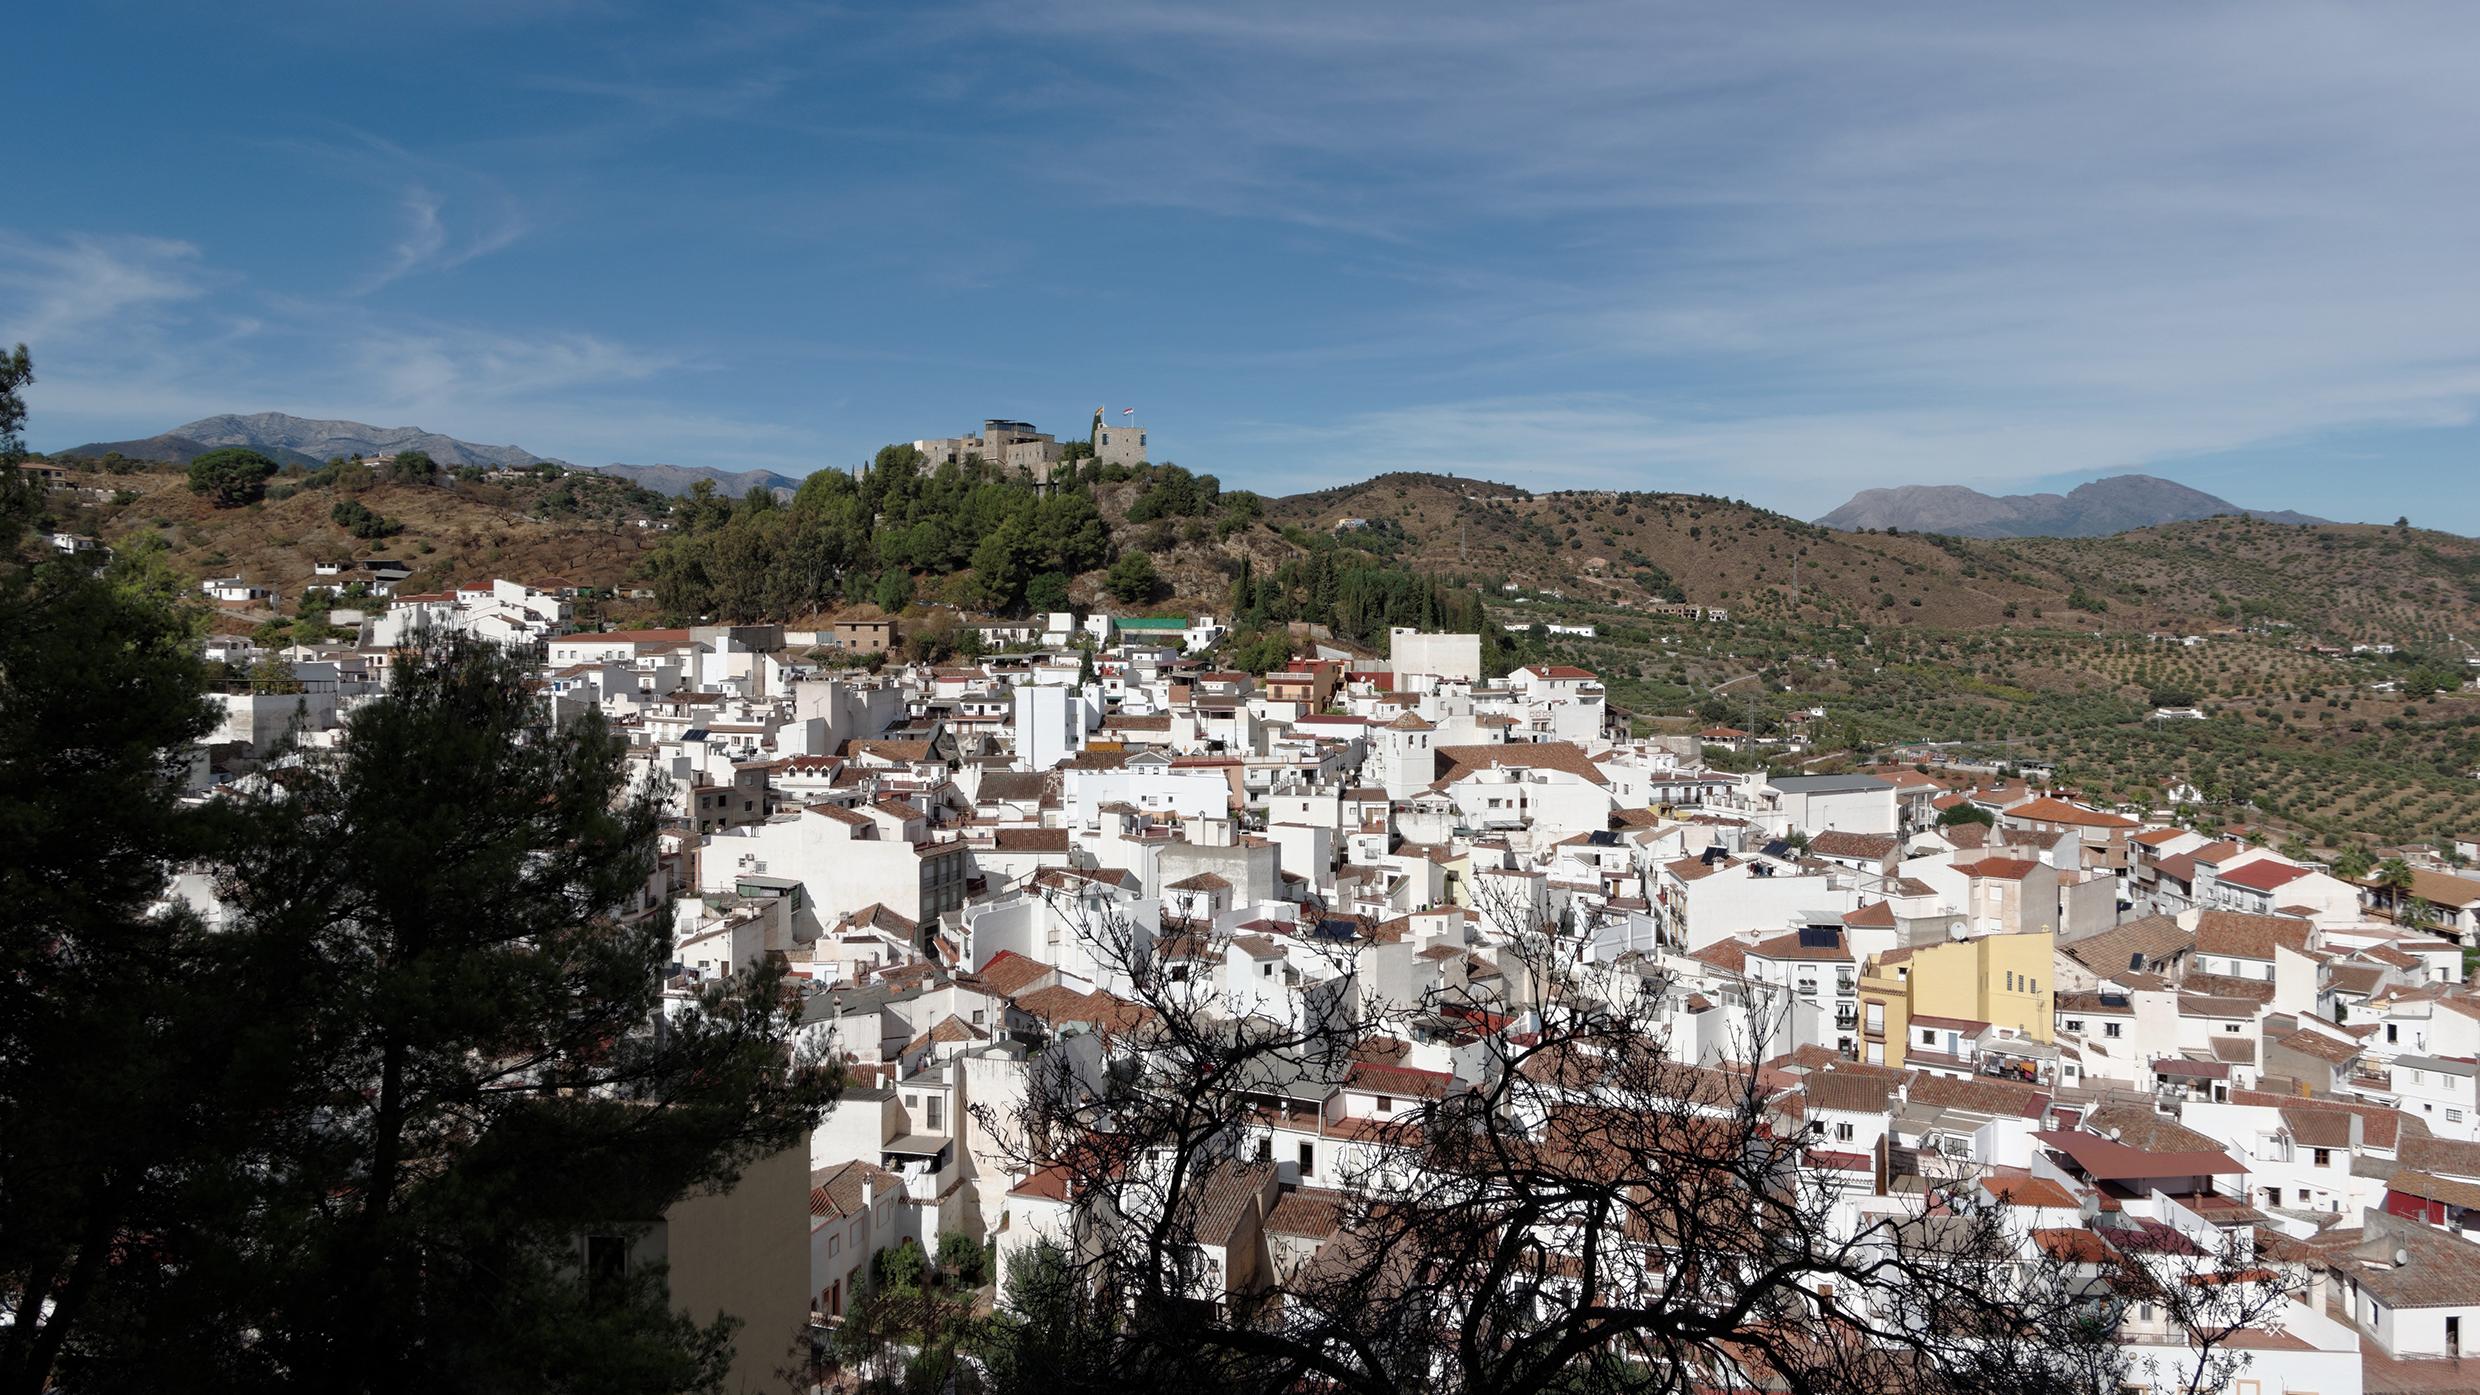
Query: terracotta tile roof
(876,916)
(1457,762)
(2253,990)
(1030,840)
(2053,810)
(1978,1096)
(1313,1213)
(2011,869)
(2029,1191)
(2444,888)
(2072,1245)
(2452,1157)
(2320,1046)
(1009,973)
(1870,846)
(1876,915)
(1226,1194)
(2427,1186)
(2265,874)
(835,1192)
(2380,1127)
(950,1028)
(1848,1091)
(2157,938)
(1688,869)
(2107,1161)
(1728,955)
(1380,1079)
(1790,946)
(2318,1128)
(2234,934)
(2139,1126)
(1014,786)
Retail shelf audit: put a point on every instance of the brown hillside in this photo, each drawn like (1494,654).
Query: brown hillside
(2339,582)
(453,532)
(2345,582)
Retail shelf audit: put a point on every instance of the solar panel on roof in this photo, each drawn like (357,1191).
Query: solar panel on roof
(1817,937)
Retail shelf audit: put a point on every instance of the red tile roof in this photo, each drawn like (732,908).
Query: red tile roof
(2263,875)
(2233,934)
(2052,810)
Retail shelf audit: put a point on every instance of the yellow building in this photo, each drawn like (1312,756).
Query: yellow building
(1959,986)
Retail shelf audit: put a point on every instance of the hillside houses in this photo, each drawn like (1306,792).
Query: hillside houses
(985,880)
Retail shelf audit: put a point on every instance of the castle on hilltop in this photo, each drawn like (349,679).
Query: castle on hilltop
(1016,445)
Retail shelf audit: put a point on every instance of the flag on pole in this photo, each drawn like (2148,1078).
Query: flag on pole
(1128,411)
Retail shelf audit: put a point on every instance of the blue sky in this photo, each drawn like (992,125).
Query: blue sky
(1778,253)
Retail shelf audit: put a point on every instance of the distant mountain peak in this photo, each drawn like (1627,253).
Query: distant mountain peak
(2114,504)
(309,440)
(678,480)
(314,441)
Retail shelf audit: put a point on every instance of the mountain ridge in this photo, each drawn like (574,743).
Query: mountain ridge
(313,441)
(678,480)
(2098,508)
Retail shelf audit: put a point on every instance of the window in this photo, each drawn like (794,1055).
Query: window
(2393,1033)
(1265,1149)
(2010,982)
(1843,1133)
(2109,1029)
(2324,1157)
(2074,1024)
(1386,1104)
(938,1113)
(1308,1160)
(1877,1017)
(607,1261)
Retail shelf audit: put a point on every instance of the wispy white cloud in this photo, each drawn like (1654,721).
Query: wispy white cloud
(1942,241)
(77,287)
(1775,253)
(129,339)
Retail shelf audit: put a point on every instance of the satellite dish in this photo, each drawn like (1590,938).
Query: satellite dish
(2401,1256)
(2114,1132)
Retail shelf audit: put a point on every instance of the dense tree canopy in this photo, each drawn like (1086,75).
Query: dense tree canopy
(350,1135)
(231,477)
(839,539)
